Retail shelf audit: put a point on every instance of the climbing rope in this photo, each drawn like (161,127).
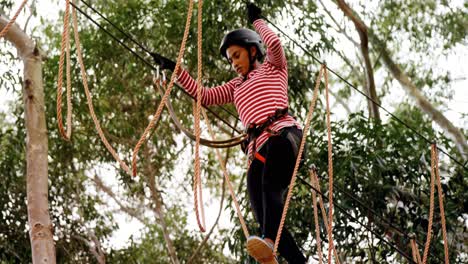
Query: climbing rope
(298,159)
(441,203)
(66,46)
(324,213)
(211,143)
(157,115)
(435,177)
(12,20)
(415,250)
(330,172)
(316,221)
(228,180)
(227,143)
(197,181)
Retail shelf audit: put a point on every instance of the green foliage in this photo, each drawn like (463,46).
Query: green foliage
(384,165)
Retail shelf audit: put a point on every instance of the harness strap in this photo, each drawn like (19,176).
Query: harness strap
(291,137)
(260,157)
(254,130)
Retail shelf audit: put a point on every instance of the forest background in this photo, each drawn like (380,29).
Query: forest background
(99,213)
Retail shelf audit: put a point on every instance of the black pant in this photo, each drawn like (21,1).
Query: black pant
(267,183)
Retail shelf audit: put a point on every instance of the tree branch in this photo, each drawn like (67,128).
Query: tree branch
(362,30)
(94,247)
(406,83)
(126,209)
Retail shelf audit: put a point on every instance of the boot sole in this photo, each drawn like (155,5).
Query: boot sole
(260,250)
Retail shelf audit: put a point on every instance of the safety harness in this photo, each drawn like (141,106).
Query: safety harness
(255,130)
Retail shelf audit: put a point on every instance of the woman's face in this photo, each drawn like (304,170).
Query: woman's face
(238,56)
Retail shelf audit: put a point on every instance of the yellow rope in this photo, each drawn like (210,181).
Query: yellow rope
(197,181)
(12,20)
(298,160)
(158,112)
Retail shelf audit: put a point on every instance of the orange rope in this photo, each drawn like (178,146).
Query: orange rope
(435,177)
(157,115)
(89,97)
(228,180)
(431,206)
(65,51)
(441,203)
(298,159)
(197,180)
(324,217)
(65,48)
(330,173)
(415,251)
(316,221)
(12,20)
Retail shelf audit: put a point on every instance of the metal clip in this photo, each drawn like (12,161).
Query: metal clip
(163,80)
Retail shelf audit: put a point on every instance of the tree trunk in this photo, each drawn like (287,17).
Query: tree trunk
(42,244)
(413,91)
(370,83)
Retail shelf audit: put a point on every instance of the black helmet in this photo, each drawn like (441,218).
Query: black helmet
(242,37)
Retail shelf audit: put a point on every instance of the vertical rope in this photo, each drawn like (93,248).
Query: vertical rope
(324,216)
(228,180)
(298,159)
(157,115)
(441,202)
(316,221)
(69,102)
(12,20)
(431,206)
(415,251)
(89,97)
(330,173)
(197,180)
(64,49)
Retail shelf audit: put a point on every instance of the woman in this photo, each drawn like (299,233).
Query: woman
(260,94)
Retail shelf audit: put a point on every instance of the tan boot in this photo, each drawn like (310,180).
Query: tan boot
(261,250)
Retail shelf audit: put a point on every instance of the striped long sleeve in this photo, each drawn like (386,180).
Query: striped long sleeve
(260,94)
(275,53)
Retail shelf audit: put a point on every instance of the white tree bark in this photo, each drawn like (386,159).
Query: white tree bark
(42,244)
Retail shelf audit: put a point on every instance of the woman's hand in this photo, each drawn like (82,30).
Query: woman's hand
(253,12)
(163,62)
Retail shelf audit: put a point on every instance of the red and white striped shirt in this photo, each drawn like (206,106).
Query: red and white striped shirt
(258,96)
